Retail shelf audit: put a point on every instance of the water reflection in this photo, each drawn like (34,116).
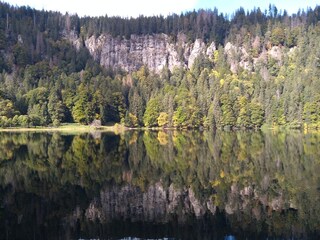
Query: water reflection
(156,185)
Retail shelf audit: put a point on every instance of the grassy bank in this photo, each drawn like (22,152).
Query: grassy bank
(69,128)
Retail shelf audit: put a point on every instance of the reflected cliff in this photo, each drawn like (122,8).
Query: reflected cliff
(180,185)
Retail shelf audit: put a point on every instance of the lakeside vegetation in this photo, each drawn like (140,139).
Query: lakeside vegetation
(46,81)
(68,128)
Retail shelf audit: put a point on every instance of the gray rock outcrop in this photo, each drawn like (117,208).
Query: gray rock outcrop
(154,51)
(159,50)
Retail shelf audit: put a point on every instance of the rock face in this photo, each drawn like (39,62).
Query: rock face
(159,50)
(155,51)
(239,57)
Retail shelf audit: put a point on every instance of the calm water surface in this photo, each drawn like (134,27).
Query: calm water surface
(160,185)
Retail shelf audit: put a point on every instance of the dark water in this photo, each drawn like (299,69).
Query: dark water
(160,185)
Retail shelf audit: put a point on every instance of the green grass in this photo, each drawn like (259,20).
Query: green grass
(68,128)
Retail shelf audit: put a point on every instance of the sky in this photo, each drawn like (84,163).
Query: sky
(134,8)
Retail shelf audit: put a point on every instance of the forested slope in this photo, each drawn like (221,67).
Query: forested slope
(262,68)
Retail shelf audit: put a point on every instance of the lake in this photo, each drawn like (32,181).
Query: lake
(160,185)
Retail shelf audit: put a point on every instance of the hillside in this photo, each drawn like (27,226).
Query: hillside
(190,70)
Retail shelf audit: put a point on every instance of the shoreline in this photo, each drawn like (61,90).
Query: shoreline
(117,129)
(66,128)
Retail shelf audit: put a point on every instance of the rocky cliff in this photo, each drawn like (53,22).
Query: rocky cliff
(154,51)
(159,50)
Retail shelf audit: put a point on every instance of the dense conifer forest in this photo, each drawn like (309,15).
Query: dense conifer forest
(46,81)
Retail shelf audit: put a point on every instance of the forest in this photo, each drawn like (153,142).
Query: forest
(47,81)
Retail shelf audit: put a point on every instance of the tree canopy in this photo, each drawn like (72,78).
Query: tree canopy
(46,80)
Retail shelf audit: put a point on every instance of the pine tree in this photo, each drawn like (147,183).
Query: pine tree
(56,108)
(150,117)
